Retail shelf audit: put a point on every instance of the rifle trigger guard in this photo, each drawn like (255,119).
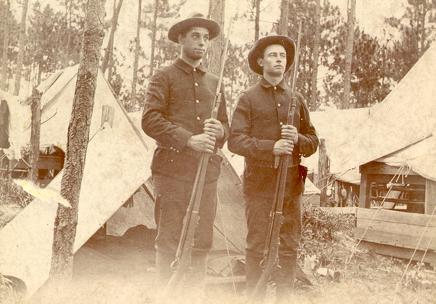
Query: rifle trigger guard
(174,264)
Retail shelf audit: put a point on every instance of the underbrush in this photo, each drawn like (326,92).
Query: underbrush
(332,257)
(12,200)
(326,238)
(11,193)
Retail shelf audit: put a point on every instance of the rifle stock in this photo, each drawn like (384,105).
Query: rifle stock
(183,255)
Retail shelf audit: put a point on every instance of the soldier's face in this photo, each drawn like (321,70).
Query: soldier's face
(195,42)
(273,60)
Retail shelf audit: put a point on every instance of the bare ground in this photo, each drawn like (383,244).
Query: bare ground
(113,270)
(121,270)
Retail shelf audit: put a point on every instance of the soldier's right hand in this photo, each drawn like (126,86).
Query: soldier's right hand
(283,146)
(202,143)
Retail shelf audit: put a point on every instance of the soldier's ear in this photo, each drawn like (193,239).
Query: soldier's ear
(181,38)
(260,61)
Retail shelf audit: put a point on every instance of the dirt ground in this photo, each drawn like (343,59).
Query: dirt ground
(112,270)
(121,270)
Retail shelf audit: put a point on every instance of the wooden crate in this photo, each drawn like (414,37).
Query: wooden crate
(397,233)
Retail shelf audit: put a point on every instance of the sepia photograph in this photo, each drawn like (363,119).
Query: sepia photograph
(217,151)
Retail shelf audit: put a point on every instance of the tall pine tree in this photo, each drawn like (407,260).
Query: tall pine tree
(78,138)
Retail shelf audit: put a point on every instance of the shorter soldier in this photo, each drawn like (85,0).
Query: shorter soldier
(259,133)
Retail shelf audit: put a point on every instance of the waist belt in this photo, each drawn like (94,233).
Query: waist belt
(184,151)
(270,164)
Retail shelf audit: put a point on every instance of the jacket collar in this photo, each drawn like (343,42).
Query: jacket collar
(264,83)
(186,67)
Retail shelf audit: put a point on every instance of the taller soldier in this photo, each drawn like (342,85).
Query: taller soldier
(260,133)
(176,114)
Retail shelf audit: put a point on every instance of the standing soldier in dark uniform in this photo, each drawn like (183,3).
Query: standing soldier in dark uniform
(177,114)
(259,133)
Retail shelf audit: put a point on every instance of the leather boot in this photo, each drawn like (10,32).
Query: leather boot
(253,271)
(285,279)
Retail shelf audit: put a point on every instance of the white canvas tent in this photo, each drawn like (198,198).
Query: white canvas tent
(116,166)
(337,128)
(402,128)
(399,130)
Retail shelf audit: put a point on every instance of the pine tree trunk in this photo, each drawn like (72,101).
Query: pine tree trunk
(283,21)
(5,46)
(21,46)
(256,19)
(136,60)
(349,54)
(153,36)
(78,137)
(323,172)
(253,77)
(68,12)
(422,15)
(216,13)
(282,28)
(316,43)
(35,133)
(108,55)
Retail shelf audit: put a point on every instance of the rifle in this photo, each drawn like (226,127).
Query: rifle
(271,252)
(182,260)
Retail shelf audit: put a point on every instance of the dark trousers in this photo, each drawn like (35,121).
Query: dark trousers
(172,199)
(257,213)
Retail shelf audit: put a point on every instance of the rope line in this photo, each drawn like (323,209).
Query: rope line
(398,285)
(226,242)
(354,249)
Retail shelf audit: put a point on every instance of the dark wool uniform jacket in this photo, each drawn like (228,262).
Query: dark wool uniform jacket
(179,98)
(256,126)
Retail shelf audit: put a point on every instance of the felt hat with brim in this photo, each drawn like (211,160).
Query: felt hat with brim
(194,20)
(259,47)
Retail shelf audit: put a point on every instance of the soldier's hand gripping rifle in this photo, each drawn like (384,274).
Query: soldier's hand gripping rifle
(270,260)
(182,260)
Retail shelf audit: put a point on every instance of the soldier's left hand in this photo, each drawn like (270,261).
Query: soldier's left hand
(214,128)
(290,132)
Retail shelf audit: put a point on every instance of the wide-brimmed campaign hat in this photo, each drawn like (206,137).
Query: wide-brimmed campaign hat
(259,47)
(194,20)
